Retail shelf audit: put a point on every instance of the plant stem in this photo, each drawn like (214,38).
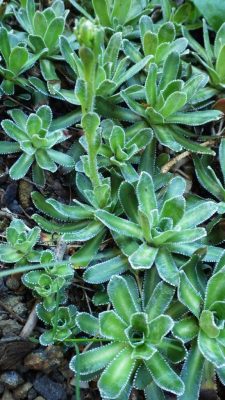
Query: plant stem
(90,97)
(93,167)
(78,373)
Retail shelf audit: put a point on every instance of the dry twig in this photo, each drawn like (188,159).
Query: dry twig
(166,168)
(30,324)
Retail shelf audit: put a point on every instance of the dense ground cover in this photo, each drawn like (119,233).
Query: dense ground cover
(112,155)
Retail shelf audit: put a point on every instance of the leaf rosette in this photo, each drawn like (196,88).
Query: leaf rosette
(167,102)
(204,326)
(137,339)
(50,281)
(33,137)
(158,228)
(20,243)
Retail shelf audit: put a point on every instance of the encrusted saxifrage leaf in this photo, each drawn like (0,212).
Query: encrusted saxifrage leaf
(96,359)
(166,267)
(87,323)
(173,208)
(73,212)
(82,235)
(215,290)
(102,272)
(186,329)
(115,377)
(112,326)
(208,178)
(87,252)
(163,375)
(188,295)
(119,225)
(160,300)
(143,257)
(121,298)
(211,350)
(101,10)
(197,214)
(159,327)
(191,374)
(146,193)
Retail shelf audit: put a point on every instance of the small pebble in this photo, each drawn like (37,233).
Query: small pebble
(3,287)
(10,195)
(13,283)
(20,393)
(49,389)
(10,328)
(15,207)
(2,387)
(32,394)
(11,379)
(44,360)
(7,395)
(16,303)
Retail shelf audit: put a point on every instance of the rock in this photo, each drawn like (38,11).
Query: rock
(10,328)
(3,287)
(57,376)
(16,304)
(13,283)
(39,398)
(24,192)
(49,389)
(10,195)
(20,309)
(7,395)
(11,379)
(44,360)
(15,207)
(66,371)
(32,394)
(20,393)
(13,350)
(2,387)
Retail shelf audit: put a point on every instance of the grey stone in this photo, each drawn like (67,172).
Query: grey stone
(16,303)
(10,328)
(7,395)
(32,394)
(49,389)
(21,391)
(2,387)
(12,283)
(11,379)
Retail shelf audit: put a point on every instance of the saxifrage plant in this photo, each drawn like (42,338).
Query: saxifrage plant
(35,140)
(203,325)
(157,229)
(20,243)
(211,56)
(137,338)
(43,27)
(169,102)
(16,61)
